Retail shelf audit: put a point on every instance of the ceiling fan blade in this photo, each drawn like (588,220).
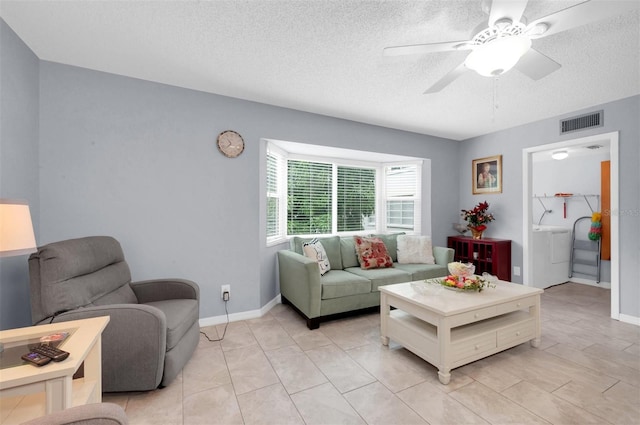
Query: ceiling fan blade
(535,65)
(578,15)
(427,48)
(511,9)
(447,79)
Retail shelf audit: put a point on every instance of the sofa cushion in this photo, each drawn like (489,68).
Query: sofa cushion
(380,277)
(348,251)
(390,241)
(414,249)
(331,245)
(423,271)
(372,253)
(180,315)
(314,250)
(340,283)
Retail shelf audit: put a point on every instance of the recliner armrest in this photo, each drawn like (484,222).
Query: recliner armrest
(134,344)
(165,289)
(95,413)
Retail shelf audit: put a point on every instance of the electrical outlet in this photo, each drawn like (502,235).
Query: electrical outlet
(516,271)
(227,289)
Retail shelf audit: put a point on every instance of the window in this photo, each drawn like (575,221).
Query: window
(402,196)
(313,197)
(274,195)
(356,198)
(308,195)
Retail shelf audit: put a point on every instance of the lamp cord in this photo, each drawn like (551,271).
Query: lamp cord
(225,327)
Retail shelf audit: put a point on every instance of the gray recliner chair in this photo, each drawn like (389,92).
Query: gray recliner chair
(153,330)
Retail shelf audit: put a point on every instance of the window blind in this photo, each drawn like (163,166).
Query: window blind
(402,194)
(356,193)
(309,197)
(273,195)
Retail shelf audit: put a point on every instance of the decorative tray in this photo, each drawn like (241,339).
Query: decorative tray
(473,283)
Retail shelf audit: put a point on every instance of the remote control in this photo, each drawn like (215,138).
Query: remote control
(36,359)
(55,354)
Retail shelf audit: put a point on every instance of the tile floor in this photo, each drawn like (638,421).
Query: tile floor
(273,370)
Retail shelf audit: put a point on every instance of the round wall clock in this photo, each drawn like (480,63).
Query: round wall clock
(230,143)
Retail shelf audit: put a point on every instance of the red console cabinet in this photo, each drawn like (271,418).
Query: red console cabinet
(489,255)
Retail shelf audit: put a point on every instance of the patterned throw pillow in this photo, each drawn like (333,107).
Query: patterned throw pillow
(414,249)
(372,253)
(314,250)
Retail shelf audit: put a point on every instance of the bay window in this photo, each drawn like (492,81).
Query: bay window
(309,195)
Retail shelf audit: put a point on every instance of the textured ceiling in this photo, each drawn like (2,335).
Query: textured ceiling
(326,56)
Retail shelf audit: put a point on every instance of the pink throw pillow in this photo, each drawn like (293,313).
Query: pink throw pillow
(372,253)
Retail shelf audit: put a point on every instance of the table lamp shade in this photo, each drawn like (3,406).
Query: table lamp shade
(16,229)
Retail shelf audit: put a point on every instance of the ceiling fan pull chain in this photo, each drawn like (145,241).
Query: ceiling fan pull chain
(496,104)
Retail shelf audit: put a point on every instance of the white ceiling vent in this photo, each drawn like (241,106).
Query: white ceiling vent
(582,122)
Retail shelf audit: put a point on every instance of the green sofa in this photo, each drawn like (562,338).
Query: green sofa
(347,288)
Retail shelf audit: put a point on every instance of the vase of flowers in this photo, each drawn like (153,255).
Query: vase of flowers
(476,232)
(477,219)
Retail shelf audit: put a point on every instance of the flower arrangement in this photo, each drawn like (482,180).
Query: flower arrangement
(478,216)
(465,283)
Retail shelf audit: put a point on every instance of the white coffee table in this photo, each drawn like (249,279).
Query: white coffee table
(449,329)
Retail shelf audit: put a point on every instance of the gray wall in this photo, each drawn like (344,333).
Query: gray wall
(619,116)
(137,160)
(19,101)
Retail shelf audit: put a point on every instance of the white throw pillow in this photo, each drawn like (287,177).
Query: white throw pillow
(314,250)
(413,249)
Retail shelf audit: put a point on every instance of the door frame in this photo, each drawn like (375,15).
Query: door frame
(527,210)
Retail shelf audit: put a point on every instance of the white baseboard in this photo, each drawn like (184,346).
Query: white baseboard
(629,319)
(243,315)
(255,314)
(606,285)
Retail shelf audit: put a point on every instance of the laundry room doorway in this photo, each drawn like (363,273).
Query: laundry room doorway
(547,216)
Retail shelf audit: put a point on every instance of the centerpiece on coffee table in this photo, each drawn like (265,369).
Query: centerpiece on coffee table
(461,278)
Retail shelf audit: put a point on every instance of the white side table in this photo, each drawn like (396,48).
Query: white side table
(28,391)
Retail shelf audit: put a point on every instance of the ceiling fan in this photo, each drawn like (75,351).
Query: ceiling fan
(505,41)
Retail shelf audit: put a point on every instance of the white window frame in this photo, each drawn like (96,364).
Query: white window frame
(416,198)
(381,199)
(280,194)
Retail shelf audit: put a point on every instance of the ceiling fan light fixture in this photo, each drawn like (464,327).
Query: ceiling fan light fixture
(502,24)
(498,55)
(559,155)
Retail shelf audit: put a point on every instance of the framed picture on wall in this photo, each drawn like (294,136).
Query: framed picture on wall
(486,175)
